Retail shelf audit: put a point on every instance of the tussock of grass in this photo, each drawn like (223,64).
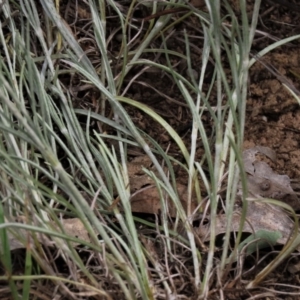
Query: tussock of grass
(56,163)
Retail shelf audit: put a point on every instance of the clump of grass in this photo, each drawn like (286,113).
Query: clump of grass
(54,167)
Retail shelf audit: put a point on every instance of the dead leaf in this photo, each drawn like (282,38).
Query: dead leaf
(260,216)
(148,201)
(264,182)
(145,197)
(72,227)
(75,228)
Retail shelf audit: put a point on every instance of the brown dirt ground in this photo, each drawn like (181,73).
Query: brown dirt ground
(272,112)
